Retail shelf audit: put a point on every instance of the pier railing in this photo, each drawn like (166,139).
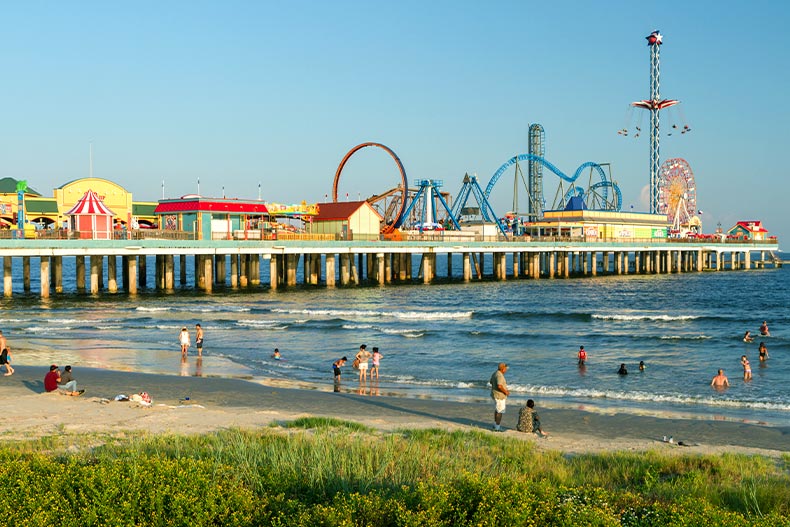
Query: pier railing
(425,236)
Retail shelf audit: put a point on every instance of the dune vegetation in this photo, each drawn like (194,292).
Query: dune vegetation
(328,472)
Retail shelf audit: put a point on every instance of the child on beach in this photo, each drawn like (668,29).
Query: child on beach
(582,356)
(5,358)
(374,371)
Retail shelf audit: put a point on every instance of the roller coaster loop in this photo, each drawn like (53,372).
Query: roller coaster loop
(404,181)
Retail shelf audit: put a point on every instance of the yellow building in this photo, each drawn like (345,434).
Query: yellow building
(596,225)
(50,212)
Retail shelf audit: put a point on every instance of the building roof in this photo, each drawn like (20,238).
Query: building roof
(342,210)
(199,204)
(8,186)
(90,204)
(750,226)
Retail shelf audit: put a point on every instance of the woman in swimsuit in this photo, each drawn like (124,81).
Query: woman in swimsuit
(747,368)
(763,351)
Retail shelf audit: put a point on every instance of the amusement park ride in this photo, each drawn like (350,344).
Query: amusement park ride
(672,187)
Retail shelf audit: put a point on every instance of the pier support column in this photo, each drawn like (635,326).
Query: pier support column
(345,272)
(274,266)
(516,264)
(331,264)
(551,263)
(388,259)
(594,263)
(449,265)
(142,272)
(244,276)
(112,274)
(95,264)
(80,268)
(566,264)
(700,260)
(380,268)
(44,273)
(427,268)
(170,272)
(26,273)
(220,272)
(234,271)
(182,269)
(7,281)
(208,273)
(467,267)
(57,273)
(354,268)
(131,274)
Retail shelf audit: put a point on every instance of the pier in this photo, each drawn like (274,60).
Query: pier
(129,266)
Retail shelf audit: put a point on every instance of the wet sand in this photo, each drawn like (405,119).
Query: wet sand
(218,403)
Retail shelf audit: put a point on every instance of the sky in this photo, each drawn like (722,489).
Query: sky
(238,94)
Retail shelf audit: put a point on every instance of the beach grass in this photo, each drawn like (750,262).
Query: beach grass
(317,471)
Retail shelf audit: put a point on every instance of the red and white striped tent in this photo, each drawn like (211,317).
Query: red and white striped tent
(91,218)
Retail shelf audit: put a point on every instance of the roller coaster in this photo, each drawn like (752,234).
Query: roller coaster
(401,205)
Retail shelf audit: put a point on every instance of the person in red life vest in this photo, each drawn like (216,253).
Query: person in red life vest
(582,356)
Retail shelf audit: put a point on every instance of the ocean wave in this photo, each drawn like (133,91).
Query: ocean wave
(649,397)
(407,315)
(684,337)
(436,383)
(152,309)
(406,333)
(42,329)
(657,318)
(260,323)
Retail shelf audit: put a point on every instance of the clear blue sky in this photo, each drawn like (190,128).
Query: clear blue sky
(236,93)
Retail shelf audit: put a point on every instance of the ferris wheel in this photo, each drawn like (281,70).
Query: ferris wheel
(677,193)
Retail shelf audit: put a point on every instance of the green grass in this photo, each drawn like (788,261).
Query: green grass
(317,471)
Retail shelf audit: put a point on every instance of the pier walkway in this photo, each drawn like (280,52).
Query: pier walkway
(242,264)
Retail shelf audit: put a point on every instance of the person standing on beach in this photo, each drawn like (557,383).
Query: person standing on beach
(582,356)
(5,358)
(363,357)
(183,338)
(720,380)
(375,360)
(747,368)
(199,339)
(499,394)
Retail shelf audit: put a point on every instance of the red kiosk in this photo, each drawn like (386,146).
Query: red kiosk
(90,218)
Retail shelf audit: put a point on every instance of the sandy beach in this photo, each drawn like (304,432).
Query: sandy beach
(218,403)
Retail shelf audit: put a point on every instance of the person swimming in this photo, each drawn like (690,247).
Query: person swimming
(622,370)
(763,351)
(641,365)
(747,337)
(276,354)
(764,329)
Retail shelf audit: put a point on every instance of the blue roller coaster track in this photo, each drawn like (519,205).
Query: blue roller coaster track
(602,186)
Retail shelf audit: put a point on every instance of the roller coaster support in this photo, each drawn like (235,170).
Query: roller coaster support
(471,187)
(427,193)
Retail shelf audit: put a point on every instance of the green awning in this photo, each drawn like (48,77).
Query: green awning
(143,209)
(41,206)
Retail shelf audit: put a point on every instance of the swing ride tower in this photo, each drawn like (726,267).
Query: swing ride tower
(654,105)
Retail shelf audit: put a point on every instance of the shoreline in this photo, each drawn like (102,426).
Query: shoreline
(217,403)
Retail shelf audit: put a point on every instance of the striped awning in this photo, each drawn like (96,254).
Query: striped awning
(90,204)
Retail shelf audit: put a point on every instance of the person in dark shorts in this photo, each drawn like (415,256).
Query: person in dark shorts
(339,363)
(5,358)
(199,339)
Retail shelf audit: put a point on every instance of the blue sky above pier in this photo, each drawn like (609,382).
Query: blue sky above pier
(240,93)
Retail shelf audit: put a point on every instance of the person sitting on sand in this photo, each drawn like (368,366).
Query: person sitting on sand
(762,350)
(622,370)
(720,380)
(52,382)
(764,329)
(747,337)
(528,420)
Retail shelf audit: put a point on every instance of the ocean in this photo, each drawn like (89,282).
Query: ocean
(444,340)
